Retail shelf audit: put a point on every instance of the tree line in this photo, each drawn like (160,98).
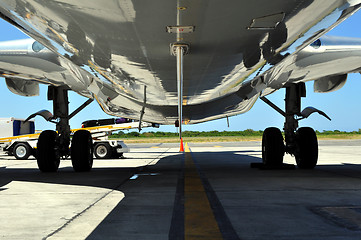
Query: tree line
(246,133)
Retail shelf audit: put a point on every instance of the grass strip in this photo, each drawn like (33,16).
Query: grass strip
(228,138)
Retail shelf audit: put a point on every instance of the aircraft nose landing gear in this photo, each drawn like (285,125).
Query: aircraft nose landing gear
(53,145)
(299,142)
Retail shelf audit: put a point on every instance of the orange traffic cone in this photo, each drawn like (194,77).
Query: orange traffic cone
(181,146)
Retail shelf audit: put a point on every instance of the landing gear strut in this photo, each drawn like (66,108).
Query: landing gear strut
(302,142)
(299,142)
(53,145)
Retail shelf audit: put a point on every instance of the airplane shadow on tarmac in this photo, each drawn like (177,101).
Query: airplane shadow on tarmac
(149,200)
(100,176)
(144,188)
(152,211)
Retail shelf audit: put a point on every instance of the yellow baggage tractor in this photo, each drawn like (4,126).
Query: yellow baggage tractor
(18,137)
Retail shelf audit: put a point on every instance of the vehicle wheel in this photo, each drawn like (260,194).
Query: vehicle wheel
(273,148)
(306,148)
(103,150)
(82,151)
(22,151)
(47,155)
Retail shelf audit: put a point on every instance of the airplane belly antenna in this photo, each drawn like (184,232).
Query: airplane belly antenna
(179,50)
(180,86)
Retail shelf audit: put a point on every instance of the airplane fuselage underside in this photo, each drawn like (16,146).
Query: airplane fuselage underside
(111,50)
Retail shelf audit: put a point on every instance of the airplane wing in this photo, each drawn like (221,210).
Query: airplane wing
(174,62)
(111,51)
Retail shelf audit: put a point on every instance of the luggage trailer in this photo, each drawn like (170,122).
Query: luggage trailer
(18,138)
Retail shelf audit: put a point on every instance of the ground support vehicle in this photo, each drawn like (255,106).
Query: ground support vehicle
(103,147)
(18,138)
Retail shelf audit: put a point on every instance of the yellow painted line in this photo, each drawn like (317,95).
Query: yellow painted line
(154,147)
(24,137)
(36,135)
(217,146)
(199,220)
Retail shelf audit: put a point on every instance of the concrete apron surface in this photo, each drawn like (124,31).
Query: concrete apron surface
(208,192)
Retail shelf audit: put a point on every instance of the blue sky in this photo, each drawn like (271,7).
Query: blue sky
(343,106)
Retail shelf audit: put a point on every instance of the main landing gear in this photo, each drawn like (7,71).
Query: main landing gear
(299,142)
(53,145)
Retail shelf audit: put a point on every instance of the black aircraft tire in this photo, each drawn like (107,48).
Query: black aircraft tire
(47,156)
(22,151)
(306,148)
(102,150)
(82,151)
(273,148)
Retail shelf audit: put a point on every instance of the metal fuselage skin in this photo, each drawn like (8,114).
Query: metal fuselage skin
(239,50)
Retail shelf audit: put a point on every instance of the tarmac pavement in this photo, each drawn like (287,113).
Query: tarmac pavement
(209,192)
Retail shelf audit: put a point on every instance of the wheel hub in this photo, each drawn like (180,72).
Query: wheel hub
(101,151)
(21,151)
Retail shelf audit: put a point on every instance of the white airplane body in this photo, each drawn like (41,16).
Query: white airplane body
(180,61)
